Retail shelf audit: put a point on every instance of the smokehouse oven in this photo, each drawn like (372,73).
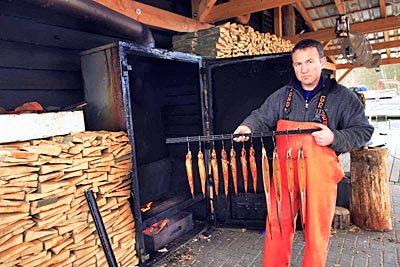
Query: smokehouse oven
(169,103)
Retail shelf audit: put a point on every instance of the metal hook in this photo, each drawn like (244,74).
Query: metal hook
(199,144)
(251,139)
(231,140)
(273,138)
(287,138)
(262,140)
(187,137)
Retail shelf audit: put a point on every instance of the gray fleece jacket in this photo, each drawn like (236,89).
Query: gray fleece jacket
(345,112)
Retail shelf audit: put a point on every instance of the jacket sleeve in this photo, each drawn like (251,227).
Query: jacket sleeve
(353,130)
(265,117)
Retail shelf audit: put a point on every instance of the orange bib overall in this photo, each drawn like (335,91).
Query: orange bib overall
(323,172)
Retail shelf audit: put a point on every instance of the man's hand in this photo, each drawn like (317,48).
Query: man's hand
(242,129)
(324,137)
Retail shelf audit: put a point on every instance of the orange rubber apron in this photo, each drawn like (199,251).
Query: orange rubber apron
(323,173)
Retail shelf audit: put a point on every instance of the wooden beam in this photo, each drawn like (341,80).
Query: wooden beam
(236,8)
(386,34)
(204,9)
(289,23)
(329,66)
(153,16)
(375,46)
(386,61)
(300,7)
(278,21)
(340,6)
(344,75)
(371,26)
(382,8)
(244,19)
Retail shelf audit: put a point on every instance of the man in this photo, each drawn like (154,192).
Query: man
(310,101)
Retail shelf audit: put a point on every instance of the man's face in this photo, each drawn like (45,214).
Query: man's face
(308,66)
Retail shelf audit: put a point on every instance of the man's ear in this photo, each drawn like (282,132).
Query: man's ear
(323,61)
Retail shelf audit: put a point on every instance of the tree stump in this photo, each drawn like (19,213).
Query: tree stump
(370,196)
(341,219)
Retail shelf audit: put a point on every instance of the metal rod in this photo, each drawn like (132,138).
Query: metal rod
(101,230)
(188,139)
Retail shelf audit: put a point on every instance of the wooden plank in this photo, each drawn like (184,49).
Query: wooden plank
(50,186)
(35,260)
(34,233)
(32,56)
(16,227)
(18,30)
(13,241)
(17,79)
(235,8)
(18,170)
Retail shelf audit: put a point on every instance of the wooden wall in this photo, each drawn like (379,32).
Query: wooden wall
(39,54)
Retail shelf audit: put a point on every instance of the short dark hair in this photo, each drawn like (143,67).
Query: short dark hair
(306,43)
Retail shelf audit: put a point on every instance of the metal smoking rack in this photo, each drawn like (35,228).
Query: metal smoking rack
(217,137)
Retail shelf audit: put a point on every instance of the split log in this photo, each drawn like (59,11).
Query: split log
(341,218)
(370,196)
(42,200)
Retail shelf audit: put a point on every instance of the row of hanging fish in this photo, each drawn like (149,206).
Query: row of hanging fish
(276,176)
(225,163)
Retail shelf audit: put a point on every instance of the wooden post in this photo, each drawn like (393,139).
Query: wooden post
(370,196)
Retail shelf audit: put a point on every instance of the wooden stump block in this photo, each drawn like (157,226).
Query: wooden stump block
(341,219)
(370,196)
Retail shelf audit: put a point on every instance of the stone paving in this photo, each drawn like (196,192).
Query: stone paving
(243,248)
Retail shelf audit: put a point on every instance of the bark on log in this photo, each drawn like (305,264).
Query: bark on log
(370,196)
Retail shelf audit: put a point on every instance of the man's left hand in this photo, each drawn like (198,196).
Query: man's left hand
(324,137)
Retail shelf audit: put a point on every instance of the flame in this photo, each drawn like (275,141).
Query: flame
(146,206)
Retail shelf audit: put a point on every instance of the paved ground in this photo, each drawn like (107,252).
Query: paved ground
(347,248)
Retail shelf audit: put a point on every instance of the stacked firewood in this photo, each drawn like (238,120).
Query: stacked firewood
(230,40)
(44,217)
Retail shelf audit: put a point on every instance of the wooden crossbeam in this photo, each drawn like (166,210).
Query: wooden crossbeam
(377,25)
(153,16)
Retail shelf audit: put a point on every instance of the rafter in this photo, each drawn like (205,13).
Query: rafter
(386,61)
(204,9)
(153,16)
(278,21)
(344,75)
(382,8)
(375,46)
(377,25)
(236,8)
(340,6)
(300,7)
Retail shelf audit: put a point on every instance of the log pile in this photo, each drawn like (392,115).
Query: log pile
(230,40)
(44,216)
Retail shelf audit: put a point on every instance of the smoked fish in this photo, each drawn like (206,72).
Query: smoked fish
(225,170)
(234,169)
(202,171)
(290,180)
(214,167)
(302,184)
(253,167)
(189,171)
(276,177)
(267,184)
(245,171)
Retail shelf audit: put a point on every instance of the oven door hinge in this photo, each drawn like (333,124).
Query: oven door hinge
(125,69)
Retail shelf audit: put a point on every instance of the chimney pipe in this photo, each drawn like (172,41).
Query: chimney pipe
(94,12)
